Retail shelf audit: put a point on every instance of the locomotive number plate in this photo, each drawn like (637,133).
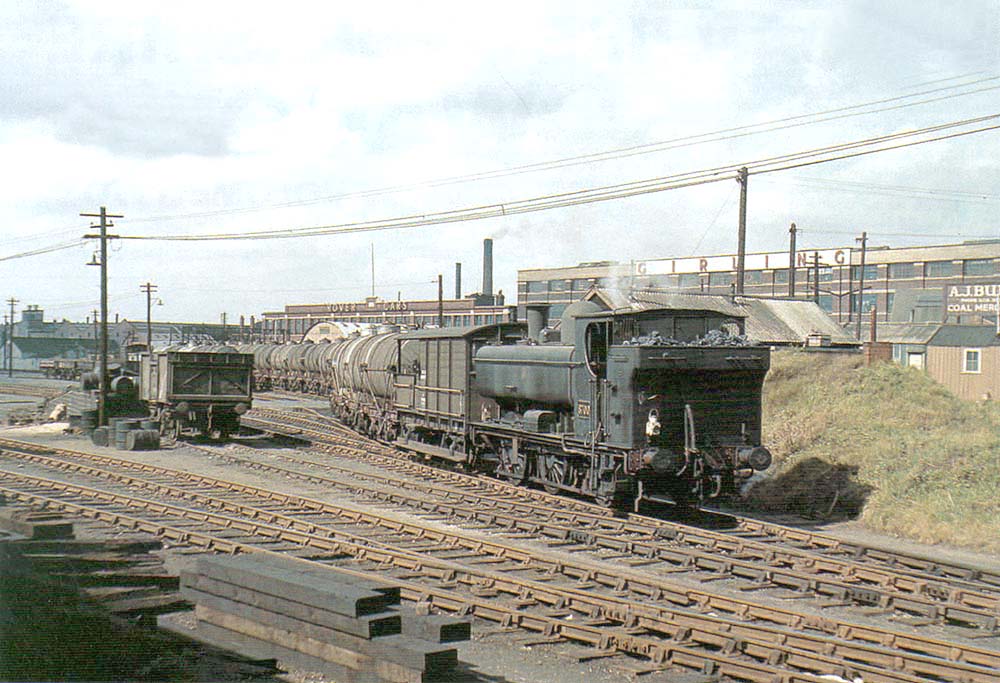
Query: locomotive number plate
(583,408)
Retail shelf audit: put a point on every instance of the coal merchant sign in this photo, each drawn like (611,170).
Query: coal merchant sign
(972,298)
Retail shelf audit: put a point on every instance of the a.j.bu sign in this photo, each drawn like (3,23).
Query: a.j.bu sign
(972,298)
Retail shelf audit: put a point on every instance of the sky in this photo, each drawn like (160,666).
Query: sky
(195,118)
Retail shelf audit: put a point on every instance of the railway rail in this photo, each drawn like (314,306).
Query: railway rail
(856,566)
(22,389)
(613,610)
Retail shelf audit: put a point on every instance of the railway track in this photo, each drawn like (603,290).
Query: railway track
(20,389)
(614,611)
(856,567)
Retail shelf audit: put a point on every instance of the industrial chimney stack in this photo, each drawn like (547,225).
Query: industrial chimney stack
(458,281)
(487,267)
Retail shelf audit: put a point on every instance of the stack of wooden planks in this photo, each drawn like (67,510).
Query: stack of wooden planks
(317,617)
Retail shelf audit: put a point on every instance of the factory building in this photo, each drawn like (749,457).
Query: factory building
(482,308)
(954,283)
(292,323)
(36,340)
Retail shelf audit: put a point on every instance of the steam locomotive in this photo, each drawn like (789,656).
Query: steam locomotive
(635,398)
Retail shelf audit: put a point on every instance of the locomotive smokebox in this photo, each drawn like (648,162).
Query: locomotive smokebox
(488,267)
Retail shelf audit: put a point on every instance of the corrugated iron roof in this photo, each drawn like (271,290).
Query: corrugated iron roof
(783,321)
(906,333)
(639,301)
(965,335)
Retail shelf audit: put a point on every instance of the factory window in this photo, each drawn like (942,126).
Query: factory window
(939,268)
(971,364)
(661,281)
(901,271)
(538,286)
(559,285)
(753,277)
(825,274)
(868,302)
(555,312)
(688,280)
(979,266)
(781,276)
(826,302)
(582,285)
(720,279)
(522,286)
(889,299)
(871,272)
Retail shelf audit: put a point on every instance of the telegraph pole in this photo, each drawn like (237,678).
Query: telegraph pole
(97,331)
(861,284)
(741,246)
(149,288)
(104,237)
(440,301)
(10,339)
(7,330)
(816,277)
(791,260)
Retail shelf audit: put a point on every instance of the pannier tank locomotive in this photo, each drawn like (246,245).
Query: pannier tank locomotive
(636,397)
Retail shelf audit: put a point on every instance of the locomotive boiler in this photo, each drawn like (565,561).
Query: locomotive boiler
(636,398)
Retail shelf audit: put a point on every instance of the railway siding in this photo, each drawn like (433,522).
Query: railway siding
(630,611)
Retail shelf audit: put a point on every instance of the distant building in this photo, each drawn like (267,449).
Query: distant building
(36,340)
(954,283)
(963,358)
(295,320)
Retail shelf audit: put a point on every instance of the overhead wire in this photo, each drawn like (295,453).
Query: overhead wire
(618,153)
(43,250)
(782,162)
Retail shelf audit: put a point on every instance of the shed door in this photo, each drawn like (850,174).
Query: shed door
(915,359)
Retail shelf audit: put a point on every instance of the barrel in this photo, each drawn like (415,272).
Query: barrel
(123,427)
(88,420)
(142,440)
(101,436)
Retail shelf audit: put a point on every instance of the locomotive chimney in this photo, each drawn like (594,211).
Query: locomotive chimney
(538,318)
(488,267)
(458,281)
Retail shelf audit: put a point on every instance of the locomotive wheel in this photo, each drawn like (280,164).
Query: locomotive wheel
(555,474)
(517,469)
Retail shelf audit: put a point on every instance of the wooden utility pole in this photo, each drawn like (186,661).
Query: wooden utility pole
(861,284)
(791,260)
(6,330)
(103,356)
(149,288)
(816,277)
(10,338)
(741,242)
(440,301)
(97,331)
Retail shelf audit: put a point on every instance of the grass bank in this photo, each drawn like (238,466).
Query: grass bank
(883,443)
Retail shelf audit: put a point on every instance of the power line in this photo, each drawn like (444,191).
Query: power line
(608,192)
(620,153)
(833,185)
(43,250)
